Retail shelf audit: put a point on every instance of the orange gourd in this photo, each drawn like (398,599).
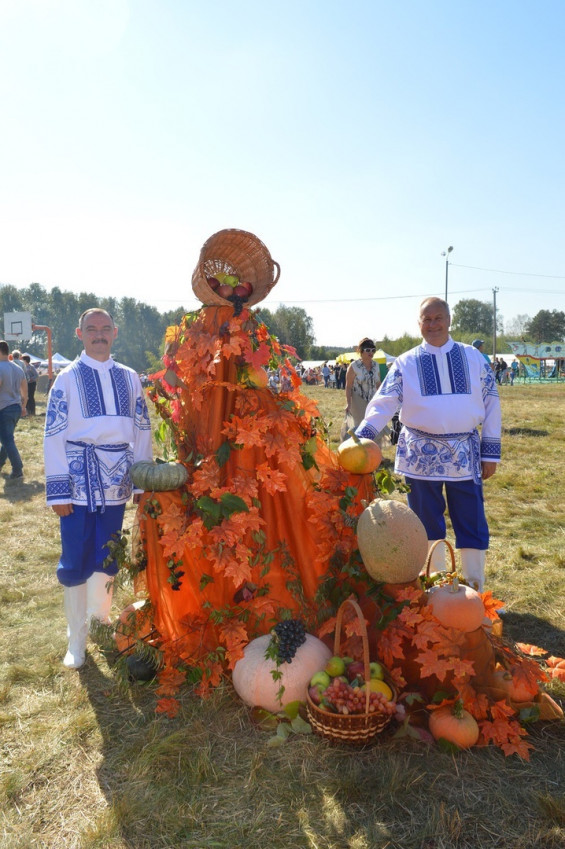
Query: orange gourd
(516,690)
(454,724)
(457,606)
(359,456)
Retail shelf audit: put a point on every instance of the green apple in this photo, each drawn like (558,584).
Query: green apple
(221,276)
(231,280)
(320,679)
(335,666)
(376,670)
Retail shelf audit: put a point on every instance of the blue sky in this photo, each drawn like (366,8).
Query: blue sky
(358,140)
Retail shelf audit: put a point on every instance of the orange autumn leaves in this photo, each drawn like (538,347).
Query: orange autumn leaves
(243,443)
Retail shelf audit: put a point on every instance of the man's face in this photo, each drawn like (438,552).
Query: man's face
(97,335)
(434,324)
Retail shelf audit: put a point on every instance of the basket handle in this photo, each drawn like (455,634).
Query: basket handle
(364,638)
(277,275)
(431,551)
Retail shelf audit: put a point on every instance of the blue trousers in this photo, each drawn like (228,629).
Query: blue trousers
(83,539)
(466,510)
(9,417)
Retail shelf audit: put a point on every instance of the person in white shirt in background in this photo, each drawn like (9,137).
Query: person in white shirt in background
(444,392)
(96,426)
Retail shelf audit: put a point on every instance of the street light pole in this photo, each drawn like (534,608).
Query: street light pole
(446,255)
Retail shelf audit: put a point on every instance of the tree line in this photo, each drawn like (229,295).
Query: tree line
(142,327)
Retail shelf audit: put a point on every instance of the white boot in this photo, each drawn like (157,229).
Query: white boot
(99,590)
(473,567)
(74,601)
(437,563)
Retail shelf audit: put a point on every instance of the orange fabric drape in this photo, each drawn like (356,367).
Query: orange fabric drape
(184,614)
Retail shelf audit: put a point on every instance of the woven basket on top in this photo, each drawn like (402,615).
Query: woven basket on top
(235,252)
(356,729)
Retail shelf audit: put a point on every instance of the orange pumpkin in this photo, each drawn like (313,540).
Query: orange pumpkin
(253,680)
(457,606)
(454,724)
(257,378)
(517,690)
(359,456)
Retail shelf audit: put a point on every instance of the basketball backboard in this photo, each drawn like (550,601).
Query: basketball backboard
(17,326)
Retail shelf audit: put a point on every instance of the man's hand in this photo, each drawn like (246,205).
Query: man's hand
(489,468)
(62,509)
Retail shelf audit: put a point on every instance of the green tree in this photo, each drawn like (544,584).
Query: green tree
(474,317)
(292,326)
(547,326)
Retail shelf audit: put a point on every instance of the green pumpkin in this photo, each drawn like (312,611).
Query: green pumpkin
(158,477)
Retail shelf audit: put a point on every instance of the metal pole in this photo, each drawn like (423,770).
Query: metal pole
(494,291)
(446,277)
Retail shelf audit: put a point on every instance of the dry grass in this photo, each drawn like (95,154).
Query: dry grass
(85,766)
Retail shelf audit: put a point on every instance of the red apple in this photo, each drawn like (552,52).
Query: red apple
(224,291)
(248,286)
(213,283)
(356,670)
(241,291)
(315,694)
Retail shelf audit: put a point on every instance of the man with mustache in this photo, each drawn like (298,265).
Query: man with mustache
(96,426)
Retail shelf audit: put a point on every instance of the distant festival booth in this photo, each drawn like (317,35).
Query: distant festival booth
(540,362)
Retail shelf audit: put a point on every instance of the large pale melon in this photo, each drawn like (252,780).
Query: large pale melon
(392,540)
(254,683)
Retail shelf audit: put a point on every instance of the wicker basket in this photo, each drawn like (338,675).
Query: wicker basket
(235,252)
(354,729)
(426,571)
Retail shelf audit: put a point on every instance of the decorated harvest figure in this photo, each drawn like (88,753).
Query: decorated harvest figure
(96,426)
(246,542)
(445,392)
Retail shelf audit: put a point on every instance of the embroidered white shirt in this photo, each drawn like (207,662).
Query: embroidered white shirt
(96,426)
(443,396)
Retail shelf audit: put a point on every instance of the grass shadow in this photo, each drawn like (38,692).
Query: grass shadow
(527,628)
(525,431)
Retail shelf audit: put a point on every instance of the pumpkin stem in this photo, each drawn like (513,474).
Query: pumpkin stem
(454,586)
(353,436)
(458,708)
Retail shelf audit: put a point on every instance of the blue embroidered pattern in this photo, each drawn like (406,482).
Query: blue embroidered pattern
(458,371)
(457,366)
(58,487)
(490,449)
(57,415)
(142,421)
(123,391)
(89,391)
(366,432)
(392,384)
(427,373)
(449,456)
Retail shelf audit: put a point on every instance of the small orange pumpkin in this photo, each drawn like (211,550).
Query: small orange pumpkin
(454,724)
(256,378)
(515,689)
(359,456)
(457,606)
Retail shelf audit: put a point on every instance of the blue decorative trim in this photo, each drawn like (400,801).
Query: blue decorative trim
(142,421)
(123,391)
(58,487)
(57,416)
(490,449)
(89,391)
(458,371)
(366,432)
(427,373)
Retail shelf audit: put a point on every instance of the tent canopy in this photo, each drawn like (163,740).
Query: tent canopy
(380,356)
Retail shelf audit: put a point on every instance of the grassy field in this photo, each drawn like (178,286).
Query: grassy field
(85,765)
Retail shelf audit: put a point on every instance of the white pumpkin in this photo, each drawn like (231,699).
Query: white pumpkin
(254,682)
